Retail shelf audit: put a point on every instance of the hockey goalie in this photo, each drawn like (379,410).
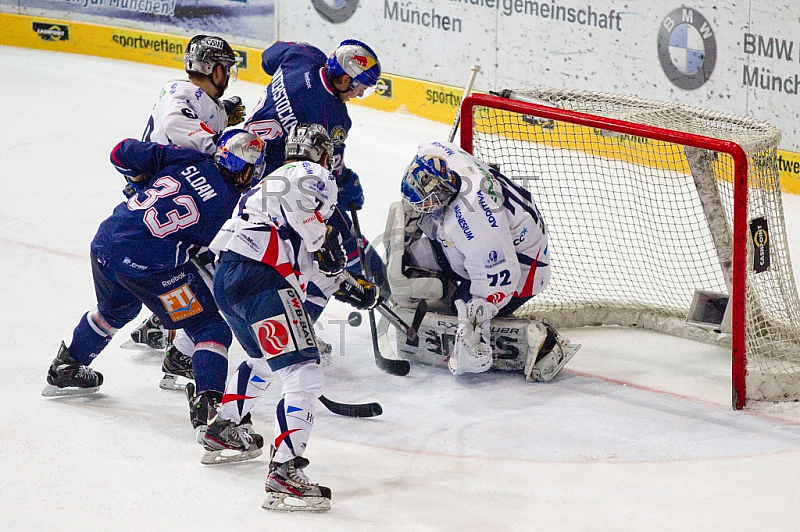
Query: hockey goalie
(473,244)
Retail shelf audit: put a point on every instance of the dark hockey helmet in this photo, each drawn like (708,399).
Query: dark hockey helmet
(429,184)
(309,142)
(236,148)
(356,59)
(204,52)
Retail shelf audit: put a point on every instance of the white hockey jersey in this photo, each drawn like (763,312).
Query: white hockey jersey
(492,234)
(281,221)
(185,115)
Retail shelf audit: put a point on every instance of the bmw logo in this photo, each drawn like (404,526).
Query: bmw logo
(335,11)
(687,48)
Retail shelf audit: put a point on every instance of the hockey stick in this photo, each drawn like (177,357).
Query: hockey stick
(352,410)
(342,409)
(473,73)
(392,366)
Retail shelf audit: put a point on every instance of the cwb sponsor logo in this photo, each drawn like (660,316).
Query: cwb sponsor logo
(384,87)
(51,32)
(241,59)
(181,303)
(759,231)
(335,11)
(687,48)
(273,336)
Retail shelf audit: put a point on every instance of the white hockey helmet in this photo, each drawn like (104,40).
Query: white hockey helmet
(309,142)
(204,52)
(429,184)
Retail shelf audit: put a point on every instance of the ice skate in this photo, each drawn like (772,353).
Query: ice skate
(175,365)
(148,335)
(226,441)
(288,489)
(67,376)
(199,407)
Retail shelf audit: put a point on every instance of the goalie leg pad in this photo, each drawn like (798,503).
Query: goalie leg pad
(548,352)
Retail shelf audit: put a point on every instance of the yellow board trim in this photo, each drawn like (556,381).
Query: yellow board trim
(428,100)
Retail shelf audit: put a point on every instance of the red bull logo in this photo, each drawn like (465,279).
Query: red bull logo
(256,143)
(365,62)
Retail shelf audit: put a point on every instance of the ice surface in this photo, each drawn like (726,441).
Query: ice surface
(636,434)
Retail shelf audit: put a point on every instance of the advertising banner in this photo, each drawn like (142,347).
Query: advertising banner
(740,57)
(251,21)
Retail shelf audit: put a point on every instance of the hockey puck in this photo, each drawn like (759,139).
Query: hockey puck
(354,319)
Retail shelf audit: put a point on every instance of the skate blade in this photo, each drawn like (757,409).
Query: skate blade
(170,382)
(130,344)
(55,391)
(228,456)
(200,433)
(286,502)
(569,352)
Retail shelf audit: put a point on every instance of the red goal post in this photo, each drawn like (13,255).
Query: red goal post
(650,224)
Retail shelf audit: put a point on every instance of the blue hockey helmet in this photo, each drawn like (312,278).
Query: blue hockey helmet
(236,148)
(429,184)
(357,60)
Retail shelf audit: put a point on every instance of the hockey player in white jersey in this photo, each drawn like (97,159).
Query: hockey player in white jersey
(190,113)
(275,243)
(465,221)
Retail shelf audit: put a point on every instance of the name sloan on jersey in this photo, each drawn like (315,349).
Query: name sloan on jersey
(199,183)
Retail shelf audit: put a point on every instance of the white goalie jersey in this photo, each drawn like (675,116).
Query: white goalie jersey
(185,115)
(492,234)
(281,221)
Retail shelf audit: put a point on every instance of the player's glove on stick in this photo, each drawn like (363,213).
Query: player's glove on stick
(331,256)
(235,110)
(350,190)
(363,295)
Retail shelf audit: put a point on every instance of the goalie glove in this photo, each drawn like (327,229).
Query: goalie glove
(362,294)
(235,110)
(331,256)
(472,352)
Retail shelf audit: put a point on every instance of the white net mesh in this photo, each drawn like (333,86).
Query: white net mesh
(638,225)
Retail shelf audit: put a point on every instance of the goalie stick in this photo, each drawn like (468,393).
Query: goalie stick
(389,365)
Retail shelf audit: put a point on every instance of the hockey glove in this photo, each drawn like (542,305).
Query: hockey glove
(135,184)
(331,256)
(363,295)
(350,190)
(235,110)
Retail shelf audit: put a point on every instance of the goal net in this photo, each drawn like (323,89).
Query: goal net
(661,216)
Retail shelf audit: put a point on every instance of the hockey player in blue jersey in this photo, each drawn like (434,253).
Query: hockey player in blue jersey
(142,254)
(307,86)
(277,241)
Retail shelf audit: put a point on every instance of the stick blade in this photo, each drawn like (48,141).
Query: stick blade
(352,410)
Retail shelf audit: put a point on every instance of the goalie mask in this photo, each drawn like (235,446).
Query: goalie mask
(357,60)
(309,142)
(429,184)
(237,148)
(204,52)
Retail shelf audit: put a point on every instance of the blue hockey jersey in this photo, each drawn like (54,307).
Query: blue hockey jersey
(183,206)
(298,92)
